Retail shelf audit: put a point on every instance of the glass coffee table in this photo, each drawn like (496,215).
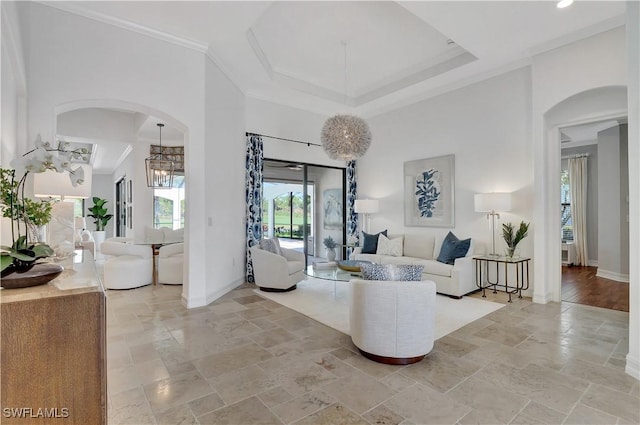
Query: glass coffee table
(335,273)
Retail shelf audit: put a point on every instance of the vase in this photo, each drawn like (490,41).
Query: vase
(98,238)
(510,252)
(331,254)
(38,274)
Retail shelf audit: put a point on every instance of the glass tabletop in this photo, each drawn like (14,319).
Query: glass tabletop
(333,273)
(500,258)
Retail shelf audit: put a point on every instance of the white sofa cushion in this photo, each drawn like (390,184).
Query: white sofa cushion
(437,268)
(388,246)
(420,246)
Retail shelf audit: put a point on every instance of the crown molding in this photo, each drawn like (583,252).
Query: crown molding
(211,55)
(586,32)
(71,7)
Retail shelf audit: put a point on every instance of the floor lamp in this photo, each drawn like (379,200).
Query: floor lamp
(492,203)
(366,207)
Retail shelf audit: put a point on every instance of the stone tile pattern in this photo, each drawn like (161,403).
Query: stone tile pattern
(246,360)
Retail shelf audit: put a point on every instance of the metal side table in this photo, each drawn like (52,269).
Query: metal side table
(484,264)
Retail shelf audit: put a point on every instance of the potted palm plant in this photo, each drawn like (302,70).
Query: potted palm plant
(101,217)
(513,239)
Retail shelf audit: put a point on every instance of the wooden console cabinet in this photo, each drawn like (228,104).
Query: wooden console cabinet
(53,350)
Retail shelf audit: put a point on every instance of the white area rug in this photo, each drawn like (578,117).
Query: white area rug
(328,303)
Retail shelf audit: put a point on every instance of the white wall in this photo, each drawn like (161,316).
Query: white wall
(633,69)
(13,86)
(111,65)
(271,119)
(610,248)
(485,126)
(224,179)
(572,84)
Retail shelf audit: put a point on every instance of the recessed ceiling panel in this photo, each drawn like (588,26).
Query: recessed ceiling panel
(349,47)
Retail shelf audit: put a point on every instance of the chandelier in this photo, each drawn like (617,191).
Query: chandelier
(159,170)
(345,137)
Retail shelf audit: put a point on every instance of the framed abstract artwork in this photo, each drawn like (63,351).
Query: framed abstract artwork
(429,192)
(332,209)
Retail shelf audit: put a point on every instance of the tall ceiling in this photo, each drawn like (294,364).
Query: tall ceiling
(366,57)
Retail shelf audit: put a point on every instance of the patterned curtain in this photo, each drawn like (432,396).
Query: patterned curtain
(352,190)
(253,193)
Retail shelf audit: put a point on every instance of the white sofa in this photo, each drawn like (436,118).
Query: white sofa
(454,280)
(392,322)
(277,273)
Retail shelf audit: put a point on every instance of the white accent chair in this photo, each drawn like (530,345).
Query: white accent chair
(393,322)
(170,264)
(277,273)
(129,266)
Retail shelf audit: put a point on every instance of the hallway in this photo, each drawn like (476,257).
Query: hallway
(581,285)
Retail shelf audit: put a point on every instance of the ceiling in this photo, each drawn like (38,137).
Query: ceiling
(363,57)
(110,134)
(584,134)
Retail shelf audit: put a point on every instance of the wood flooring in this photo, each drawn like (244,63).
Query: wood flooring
(581,285)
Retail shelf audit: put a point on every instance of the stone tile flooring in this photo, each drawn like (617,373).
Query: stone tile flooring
(246,360)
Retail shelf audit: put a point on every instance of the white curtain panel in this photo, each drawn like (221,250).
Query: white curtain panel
(578,193)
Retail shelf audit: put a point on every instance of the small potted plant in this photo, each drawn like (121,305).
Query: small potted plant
(330,245)
(511,239)
(100,219)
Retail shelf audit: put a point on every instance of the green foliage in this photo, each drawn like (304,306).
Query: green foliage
(509,237)
(36,213)
(99,213)
(329,243)
(22,254)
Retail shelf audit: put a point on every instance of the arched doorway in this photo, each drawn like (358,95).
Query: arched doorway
(588,106)
(134,126)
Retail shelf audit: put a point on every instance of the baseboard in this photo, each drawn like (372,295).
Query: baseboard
(592,263)
(633,367)
(542,298)
(606,274)
(211,297)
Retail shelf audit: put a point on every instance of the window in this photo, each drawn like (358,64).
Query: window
(566,223)
(168,205)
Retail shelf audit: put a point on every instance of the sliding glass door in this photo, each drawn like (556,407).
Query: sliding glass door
(302,205)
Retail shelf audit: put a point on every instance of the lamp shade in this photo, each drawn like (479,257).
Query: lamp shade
(495,201)
(51,183)
(366,206)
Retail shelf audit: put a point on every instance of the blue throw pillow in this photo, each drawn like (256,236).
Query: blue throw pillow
(397,272)
(453,248)
(370,242)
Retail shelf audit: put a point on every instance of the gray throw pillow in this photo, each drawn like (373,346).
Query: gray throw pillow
(271,245)
(398,272)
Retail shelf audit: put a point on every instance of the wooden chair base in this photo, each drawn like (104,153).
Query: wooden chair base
(401,361)
(262,288)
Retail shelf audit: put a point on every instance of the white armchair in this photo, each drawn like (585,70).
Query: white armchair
(130,266)
(393,322)
(170,263)
(277,273)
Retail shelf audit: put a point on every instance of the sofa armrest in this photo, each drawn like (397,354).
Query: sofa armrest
(462,276)
(292,254)
(172,249)
(356,250)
